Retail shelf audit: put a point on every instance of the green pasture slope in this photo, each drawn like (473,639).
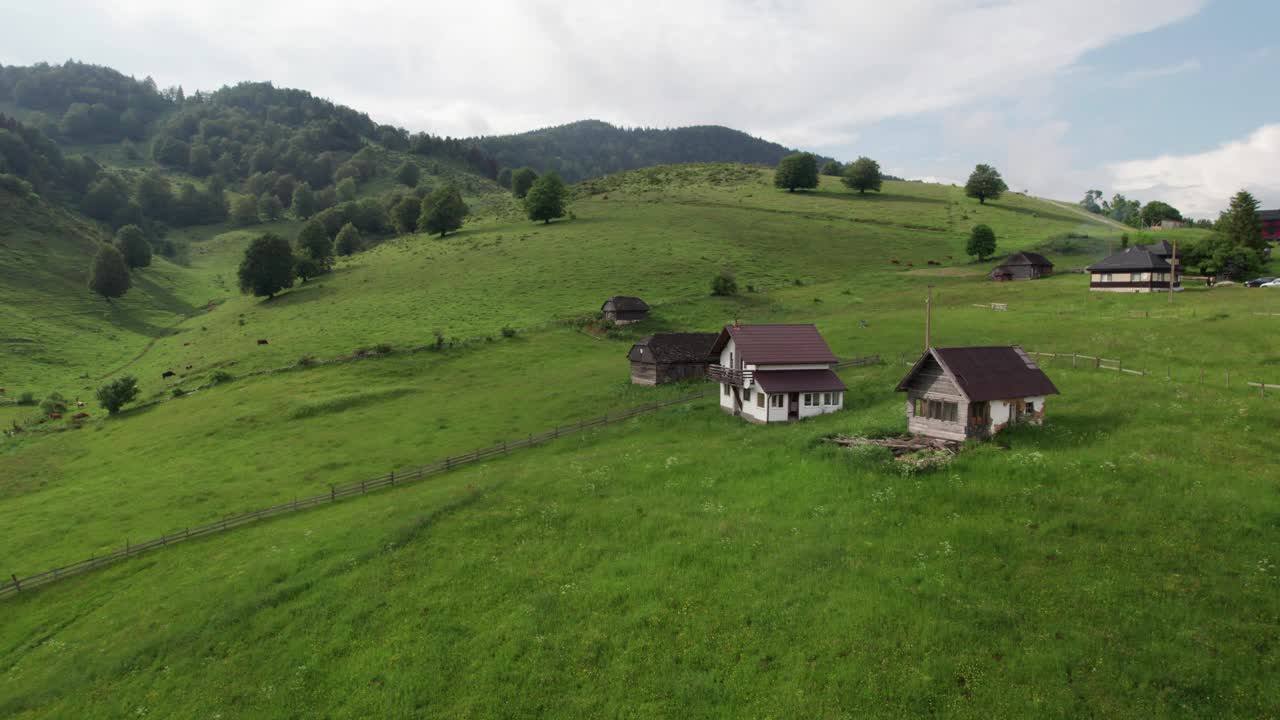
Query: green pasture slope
(1119,562)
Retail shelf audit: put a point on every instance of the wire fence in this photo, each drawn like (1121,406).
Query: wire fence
(335,493)
(1118,366)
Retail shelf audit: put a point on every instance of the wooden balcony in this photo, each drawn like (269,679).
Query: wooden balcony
(730,376)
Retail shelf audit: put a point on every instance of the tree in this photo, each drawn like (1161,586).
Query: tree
(832,168)
(109,274)
(270,206)
(55,403)
(313,242)
(303,204)
(985,183)
(1156,211)
(103,199)
(154,195)
(404,214)
(724,284)
(306,268)
(118,393)
(545,200)
(408,174)
(862,175)
(1239,223)
(133,245)
(442,211)
(982,242)
(522,180)
(1123,210)
(348,242)
(267,267)
(504,177)
(1218,254)
(244,210)
(346,189)
(798,170)
(1090,201)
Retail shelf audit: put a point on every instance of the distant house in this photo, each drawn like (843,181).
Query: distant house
(621,310)
(1022,266)
(1270,220)
(669,357)
(775,373)
(974,392)
(1170,224)
(1134,270)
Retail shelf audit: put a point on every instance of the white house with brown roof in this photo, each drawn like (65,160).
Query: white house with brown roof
(958,393)
(775,373)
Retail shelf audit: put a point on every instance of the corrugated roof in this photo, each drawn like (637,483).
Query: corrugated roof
(625,303)
(782,381)
(1269,214)
(1026,258)
(1000,372)
(674,347)
(1131,260)
(777,344)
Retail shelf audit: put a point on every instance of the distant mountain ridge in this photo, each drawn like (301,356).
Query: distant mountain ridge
(594,148)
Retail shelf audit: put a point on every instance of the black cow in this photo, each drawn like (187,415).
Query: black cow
(262,342)
(167,374)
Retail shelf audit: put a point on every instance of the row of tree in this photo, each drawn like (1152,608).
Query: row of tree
(799,171)
(1133,212)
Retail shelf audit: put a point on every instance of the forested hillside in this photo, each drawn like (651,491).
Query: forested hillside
(592,148)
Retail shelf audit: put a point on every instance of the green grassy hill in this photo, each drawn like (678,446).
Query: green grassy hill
(1117,562)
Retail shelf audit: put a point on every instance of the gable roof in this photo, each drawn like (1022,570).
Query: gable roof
(1026,258)
(1131,260)
(999,372)
(1269,214)
(674,347)
(625,303)
(776,344)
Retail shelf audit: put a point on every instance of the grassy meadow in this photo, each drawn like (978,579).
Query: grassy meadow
(1118,562)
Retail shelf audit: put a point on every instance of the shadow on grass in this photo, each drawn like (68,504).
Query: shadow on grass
(306,293)
(855,196)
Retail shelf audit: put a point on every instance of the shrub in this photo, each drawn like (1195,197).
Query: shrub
(724,284)
(221,376)
(178,392)
(306,361)
(439,336)
(54,403)
(116,394)
(27,398)
(382,348)
(508,331)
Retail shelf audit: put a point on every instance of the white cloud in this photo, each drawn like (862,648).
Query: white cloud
(1201,184)
(1134,78)
(805,73)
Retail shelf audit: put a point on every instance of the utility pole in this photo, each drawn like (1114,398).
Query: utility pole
(928,313)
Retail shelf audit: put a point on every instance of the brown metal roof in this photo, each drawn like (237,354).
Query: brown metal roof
(1001,372)
(674,348)
(781,381)
(776,344)
(625,303)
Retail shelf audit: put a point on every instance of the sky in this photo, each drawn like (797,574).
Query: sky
(1155,99)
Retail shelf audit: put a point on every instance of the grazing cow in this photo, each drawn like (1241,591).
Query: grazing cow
(79,416)
(1,391)
(911,264)
(55,416)
(79,403)
(188,367)
(895,262)
(262,342)
(167,374)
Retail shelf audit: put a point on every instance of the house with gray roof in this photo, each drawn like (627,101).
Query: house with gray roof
(1134,270)
(624,310)
(1022,266)
(958,393)
(670,357)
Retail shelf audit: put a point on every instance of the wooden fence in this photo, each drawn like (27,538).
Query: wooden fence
(859,362)
(1101,363)
(336,492)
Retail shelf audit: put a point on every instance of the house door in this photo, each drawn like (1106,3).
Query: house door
(979,417)
(793,406)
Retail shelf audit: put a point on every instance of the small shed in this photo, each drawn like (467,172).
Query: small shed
(974,392)
(671,357)
(1022,266)
(623,309)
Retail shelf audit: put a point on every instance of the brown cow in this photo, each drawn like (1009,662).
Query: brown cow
(55,416)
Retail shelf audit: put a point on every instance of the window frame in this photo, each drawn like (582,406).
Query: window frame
(760,399)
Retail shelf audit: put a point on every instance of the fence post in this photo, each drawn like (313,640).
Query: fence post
(1119,367)
(1074,358)
(1097,362)
(16,584)
(448,463)
(1228,378)
(1262,389)
(393,477)
(333,493)
(362,487)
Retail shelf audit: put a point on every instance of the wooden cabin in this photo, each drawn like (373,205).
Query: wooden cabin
(623,310)
(1134,270)
(775,373)
(974,392)
(671,357)
(1022,266)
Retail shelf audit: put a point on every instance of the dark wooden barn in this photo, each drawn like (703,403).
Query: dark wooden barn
(622,309)
(669,357)
(1022,266)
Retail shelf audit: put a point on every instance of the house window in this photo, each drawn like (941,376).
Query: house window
(811,399)
(746,394)
(777,400)
(1135,277)
(760,400)
(1031,407)
(726,388)
(937,410)
(1106,277)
